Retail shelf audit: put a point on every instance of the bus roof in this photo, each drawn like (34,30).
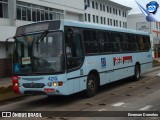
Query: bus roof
(55,25)
(101,27)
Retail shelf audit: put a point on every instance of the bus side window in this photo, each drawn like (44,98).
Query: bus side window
(74,48)
(116,42)
(133,44)
(91,45)
(141,44)
(104,43)
(124,42)
(146,41)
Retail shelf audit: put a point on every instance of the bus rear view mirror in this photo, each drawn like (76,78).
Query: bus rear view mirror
(6,43)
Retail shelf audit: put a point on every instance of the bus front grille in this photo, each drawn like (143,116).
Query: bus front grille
(34,93)
(33,85)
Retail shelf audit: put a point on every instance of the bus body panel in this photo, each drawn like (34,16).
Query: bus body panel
(110,66)
(29,84)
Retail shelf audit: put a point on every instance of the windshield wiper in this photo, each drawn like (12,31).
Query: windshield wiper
(42,36)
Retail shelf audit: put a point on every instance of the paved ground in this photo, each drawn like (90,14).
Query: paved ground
(142,95)
(5,82)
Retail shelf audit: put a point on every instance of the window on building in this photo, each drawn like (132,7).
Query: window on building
(126,24)
(117,23)
(34,15)
(107,9)
(104,20)
(89,18)
(19,13)
(119,12)
(108,20)
(51,16)
(88,3)
(3,8)
(110,10)
(101,20)
(38,15)
(104,9)
(96,5)
(125,14)
(42,15)
(31,12)
(97,19)
(116,11)
(114,22)
(120,24)
(94,19)
(113,11)
(93,4)
(24,13)
(101,7)
(85,15)
(123,25)
(111,22)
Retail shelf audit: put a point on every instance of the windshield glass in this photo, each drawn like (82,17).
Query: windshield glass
(38,53)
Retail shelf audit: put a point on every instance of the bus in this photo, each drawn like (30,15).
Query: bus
(63,57)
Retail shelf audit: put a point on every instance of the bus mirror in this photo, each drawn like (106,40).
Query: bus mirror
(6,43)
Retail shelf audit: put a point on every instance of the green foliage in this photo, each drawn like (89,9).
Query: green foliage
(155,61)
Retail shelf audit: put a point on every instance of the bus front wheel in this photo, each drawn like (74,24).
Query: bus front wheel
(91,86)
(137,73)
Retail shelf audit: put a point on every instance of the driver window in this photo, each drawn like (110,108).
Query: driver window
(74,51)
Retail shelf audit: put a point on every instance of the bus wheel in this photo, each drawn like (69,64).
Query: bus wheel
(91,86)
(137,73)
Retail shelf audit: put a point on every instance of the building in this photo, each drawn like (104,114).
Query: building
(139,22)
(14,13)
(106,12)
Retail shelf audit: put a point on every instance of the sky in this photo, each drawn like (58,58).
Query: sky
(129,3)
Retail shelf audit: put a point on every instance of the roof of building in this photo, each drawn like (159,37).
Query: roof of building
(125,7)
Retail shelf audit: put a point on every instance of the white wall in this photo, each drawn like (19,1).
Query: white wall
(73,16)
(133,19)
(4,22)
(6,32)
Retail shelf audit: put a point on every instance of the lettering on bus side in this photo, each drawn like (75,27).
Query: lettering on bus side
(122,60)
(55,78)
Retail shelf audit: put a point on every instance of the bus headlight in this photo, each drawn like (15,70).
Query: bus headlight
(55,84)
(50,84)
(16,84)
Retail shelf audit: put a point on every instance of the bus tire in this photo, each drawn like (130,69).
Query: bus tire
(91,86)
(137,73)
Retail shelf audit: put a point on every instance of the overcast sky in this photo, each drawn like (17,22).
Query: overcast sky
(129,3)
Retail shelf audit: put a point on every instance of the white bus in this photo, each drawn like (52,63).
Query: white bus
(63,57)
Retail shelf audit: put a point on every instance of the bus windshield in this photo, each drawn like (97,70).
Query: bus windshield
(38,53)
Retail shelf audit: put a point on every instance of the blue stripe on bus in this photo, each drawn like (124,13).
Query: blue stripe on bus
(108,71)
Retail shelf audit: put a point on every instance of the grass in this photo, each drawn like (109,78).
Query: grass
(155,61)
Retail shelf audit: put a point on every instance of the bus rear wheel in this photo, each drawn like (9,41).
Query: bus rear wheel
(137,73)
(91,86)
